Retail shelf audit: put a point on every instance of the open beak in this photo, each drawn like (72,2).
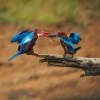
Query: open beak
(43,33)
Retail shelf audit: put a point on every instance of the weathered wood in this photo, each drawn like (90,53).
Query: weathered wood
(91,66)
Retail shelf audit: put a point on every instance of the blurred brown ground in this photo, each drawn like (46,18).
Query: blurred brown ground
(24,78)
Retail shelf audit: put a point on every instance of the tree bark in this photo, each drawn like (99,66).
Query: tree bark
(91,66)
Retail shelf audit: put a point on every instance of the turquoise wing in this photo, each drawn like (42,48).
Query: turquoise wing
(19,36)
(24,44)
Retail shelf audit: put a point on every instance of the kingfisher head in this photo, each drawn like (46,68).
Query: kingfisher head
(41,33)
(62,34)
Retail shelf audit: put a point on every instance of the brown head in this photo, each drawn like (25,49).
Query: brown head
(37,31)
(62,34)
(40,32)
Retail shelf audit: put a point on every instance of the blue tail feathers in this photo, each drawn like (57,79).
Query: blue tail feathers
(16,54)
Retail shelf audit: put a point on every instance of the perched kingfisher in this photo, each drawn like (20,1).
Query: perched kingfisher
(26,40)
(68,42)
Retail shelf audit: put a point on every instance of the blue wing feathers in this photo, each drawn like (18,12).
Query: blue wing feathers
(18,37)
(75,38)
(24,43)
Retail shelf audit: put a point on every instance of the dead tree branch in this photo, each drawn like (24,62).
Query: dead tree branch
(91,66)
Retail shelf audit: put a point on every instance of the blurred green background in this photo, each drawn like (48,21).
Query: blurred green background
(31,12)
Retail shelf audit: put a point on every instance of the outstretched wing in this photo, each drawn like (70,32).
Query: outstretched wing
(75,38)
(19,36)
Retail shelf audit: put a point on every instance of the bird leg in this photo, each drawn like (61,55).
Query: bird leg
(31,52)
(64,47)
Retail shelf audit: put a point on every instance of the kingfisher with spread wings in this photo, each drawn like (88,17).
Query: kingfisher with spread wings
(67,42)
(26,40)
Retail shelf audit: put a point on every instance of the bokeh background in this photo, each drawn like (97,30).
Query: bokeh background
(24,78)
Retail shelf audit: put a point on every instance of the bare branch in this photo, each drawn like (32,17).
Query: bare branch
(91,66)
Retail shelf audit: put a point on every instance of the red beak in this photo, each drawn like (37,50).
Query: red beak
(44,33)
